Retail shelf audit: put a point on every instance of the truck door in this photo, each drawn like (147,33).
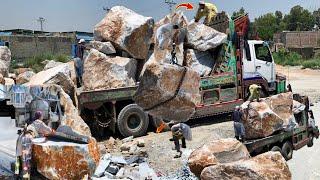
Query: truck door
(264,63)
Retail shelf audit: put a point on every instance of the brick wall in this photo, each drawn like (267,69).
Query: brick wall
(303,39)
(23,47)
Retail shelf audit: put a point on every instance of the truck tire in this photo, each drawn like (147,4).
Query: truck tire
(133,121)
(310,142)
(287,150)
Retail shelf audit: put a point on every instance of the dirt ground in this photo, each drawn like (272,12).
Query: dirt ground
(159,148)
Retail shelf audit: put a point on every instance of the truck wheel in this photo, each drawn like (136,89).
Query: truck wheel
(133,121)
(287,150)
(310,143)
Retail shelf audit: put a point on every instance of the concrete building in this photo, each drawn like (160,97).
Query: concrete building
(25,43)
(305,43)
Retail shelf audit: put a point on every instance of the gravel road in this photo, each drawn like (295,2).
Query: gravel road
(305,163)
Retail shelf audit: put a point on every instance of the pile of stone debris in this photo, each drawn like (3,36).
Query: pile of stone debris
(130,164)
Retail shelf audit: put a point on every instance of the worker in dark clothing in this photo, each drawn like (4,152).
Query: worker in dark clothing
(289,88)
(207,10)
(79,61)
(183,132)
(254,92)
(238,124)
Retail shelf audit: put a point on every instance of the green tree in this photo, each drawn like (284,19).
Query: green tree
(299,19)
(316,16)
(237,13)
(266,26)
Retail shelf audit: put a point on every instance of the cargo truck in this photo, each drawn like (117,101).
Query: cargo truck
(243,62)
(286,141)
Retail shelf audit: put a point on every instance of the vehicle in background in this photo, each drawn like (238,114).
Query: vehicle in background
(286,141)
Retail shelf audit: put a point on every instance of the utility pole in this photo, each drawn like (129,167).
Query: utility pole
(41,20)
(171,3)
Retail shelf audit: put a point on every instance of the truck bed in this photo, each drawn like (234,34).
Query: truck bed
(107,95)
(261,142)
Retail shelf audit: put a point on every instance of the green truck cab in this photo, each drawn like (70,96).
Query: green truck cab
(286,141)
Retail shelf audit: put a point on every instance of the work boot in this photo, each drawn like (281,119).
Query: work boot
(178,155)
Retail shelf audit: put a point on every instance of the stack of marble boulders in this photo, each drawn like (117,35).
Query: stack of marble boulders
(129,47)
(272,114)
(121,42)
(169,88)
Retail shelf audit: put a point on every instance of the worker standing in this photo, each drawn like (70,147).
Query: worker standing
(238,124)
(79,60)
(254,92)
(181,132)
(207,10)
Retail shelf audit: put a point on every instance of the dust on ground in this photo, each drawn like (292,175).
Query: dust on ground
(159,148)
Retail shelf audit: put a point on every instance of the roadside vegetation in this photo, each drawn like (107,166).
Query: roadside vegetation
(286,58)
(36,62)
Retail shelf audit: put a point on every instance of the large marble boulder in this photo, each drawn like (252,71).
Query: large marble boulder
(267,166)
(71,115)
(215,152)
(59,75)
(201,62)
(24,77)
(104,47)
(127,30)
(5,55)
(262,119)
(203,38)
(169,92)
(107,72)
(65,160)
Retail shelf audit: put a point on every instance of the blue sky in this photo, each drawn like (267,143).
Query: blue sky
(82,15)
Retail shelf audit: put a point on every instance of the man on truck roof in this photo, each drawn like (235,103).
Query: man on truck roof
(207,10)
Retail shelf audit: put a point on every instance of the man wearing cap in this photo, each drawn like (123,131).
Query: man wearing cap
(238,124)
(207,10)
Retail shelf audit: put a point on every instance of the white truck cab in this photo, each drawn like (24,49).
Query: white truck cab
(260,60)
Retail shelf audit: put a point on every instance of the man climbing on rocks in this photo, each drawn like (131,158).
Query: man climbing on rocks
(207,10)
(254,92)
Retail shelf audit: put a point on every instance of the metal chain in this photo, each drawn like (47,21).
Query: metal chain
(101,124)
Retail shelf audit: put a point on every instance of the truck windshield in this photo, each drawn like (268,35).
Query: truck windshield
(262,52)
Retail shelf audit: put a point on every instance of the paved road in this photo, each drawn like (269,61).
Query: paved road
(8,136)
